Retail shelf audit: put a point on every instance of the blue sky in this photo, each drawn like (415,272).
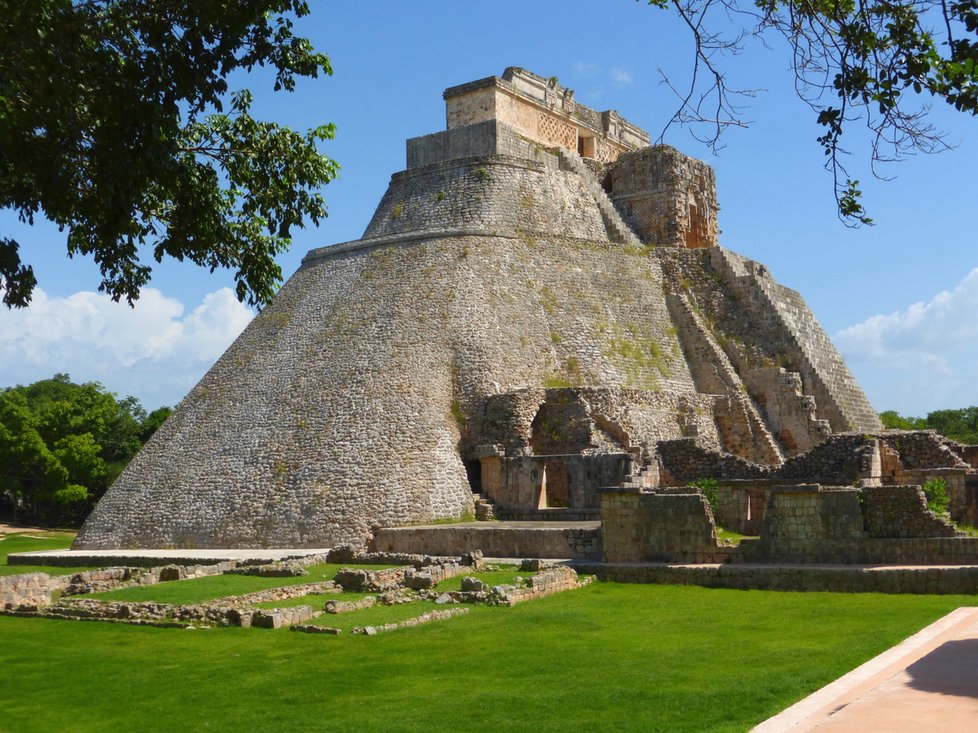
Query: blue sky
(900,298)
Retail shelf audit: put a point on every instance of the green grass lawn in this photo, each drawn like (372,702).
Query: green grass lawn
(607,657)
(34,541)
(200,590)
(378,615)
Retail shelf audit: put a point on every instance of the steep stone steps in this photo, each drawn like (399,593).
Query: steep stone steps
(618,230)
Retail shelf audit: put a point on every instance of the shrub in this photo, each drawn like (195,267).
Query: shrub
(710,489)
(935,491)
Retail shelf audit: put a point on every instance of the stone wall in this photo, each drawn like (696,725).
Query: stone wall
(657,527)
(686,460)
(841,460)
(901,511)
(593,419)
(543,111)
(539,482)
(363,394)
(344,402)
(880,524)
(543,541)
(810,512)
(945,580)
(476,141)
(668,198)
(781,317)
(920,449)
(494,194)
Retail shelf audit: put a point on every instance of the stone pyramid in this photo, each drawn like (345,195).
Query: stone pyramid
(538,301)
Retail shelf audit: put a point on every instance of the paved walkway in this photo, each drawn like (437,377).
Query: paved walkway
(926,684)
(155,557)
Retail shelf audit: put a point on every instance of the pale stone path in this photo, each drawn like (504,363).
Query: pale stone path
(158,557)
(927,684)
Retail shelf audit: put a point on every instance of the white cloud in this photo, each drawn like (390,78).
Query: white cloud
(600,78)
(621,76)
(152,351)
(922,358)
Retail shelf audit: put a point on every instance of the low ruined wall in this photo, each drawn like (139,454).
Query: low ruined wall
(685,460)
(923,449)
(962,580)
(867,551)
(810,512)
(839,461)
(33,589)
(657,527)
(543,542)
(526,482)
(901,511)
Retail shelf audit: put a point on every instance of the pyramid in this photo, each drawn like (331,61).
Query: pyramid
(540,293)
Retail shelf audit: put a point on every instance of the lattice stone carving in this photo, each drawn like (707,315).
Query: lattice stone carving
(554,131)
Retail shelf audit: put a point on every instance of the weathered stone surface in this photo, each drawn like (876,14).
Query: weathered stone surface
(496,291)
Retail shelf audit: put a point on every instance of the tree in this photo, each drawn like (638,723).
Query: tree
(960,424)
(116,123)
(875,62)
(62,444)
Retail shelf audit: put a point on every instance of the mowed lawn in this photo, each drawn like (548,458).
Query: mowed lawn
(608,657)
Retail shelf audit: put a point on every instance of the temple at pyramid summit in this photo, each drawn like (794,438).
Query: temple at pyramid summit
(538,313)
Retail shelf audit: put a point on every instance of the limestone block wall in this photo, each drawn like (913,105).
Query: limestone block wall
(841,460)
(549,481)
(657,527)
(740,426)
(592,419)
(482,139)
(901,511)
(921,449)
(811,512)
(668,198)
(494,194)
(783,319)
(685,460)
(544,111)
(344,403)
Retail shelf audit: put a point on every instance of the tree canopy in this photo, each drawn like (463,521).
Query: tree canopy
(876,63)
(960,424)
(118,124)
(62,444)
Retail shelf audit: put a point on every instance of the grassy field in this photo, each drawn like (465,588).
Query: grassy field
(200,590)
(34,541)
(608,657)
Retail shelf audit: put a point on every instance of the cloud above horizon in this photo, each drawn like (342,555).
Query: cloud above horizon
(921,358)
(156,351)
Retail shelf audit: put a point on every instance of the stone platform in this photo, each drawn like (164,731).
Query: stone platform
(549,540)
(154,558)
(922,579)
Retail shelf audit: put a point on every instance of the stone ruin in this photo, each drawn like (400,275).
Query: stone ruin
(537,310)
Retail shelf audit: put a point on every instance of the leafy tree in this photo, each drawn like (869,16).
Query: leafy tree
(116,123)
(960,425)
(62,444)
(892,420)
(152,422)
(874,62)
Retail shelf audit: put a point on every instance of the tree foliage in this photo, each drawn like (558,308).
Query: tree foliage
(117,123)
(62,444)
(960,425)
(872,62)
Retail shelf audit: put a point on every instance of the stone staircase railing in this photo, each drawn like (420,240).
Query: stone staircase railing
(618,230)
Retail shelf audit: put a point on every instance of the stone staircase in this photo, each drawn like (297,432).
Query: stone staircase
(618,230)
